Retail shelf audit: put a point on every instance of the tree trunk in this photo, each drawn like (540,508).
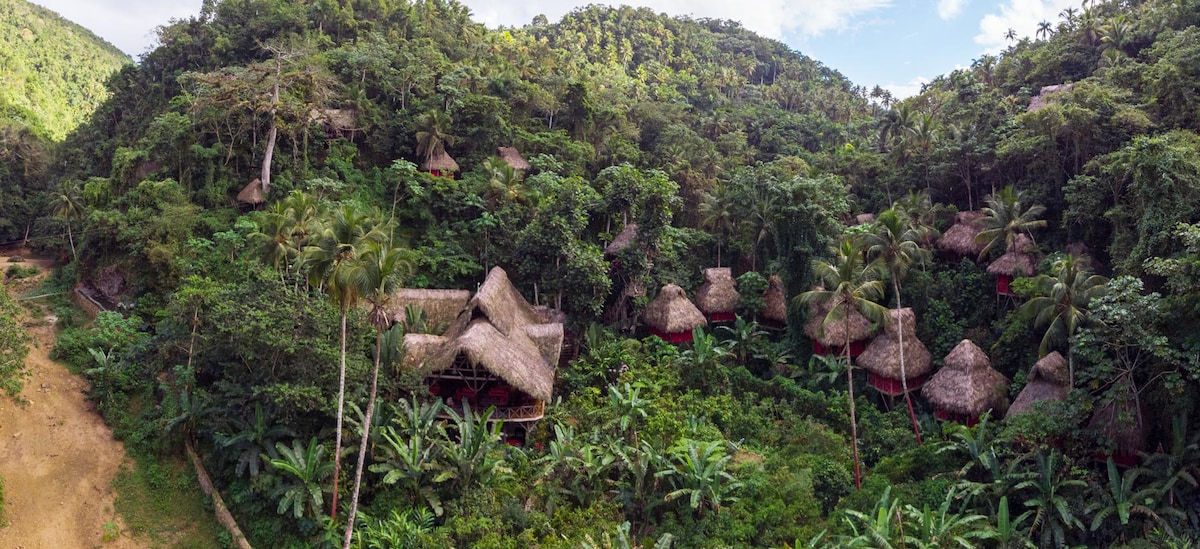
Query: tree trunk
(362,446)
(71,239)
(266,165)
(337,445)
(903,373)
(853,416)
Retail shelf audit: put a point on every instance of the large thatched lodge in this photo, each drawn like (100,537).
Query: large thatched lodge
(498,351)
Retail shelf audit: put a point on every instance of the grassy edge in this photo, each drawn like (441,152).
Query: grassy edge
(160,501)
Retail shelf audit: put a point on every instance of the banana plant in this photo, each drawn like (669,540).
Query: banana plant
(305,469)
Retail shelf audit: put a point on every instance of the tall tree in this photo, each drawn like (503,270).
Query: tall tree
(1006,217)
(379,271)
(331,261)
(896,247)
(853,286)
(1062,304)
(67,205)
(433,134)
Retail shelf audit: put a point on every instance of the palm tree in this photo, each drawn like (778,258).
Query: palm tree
(433,134)
(895,248)
(1044,29)
(377,273)
(1010,35)
(854,285)
(1062,304)
(717,215)
(331,260)
(67,205)
(1006,217)
(1068,16)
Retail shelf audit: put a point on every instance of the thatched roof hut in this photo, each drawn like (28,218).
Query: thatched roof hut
(1043,97)
(252,193)
(440,164)
(718,296)
(960,237)
(1048,380)
(1122,421)
(496,331)
(966,386)
(774,312)
(440,307)
(623,240)
(1018,259)
(864,219)
(830,337)
(513,158)
(881,358)
(419,347)
(335,121)
(671,316)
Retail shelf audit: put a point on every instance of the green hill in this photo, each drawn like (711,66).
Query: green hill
(52,71)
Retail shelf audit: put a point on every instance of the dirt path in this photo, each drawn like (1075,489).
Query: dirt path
(57,459)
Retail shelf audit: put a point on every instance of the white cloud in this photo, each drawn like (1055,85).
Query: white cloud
(1021,16)
(771,18)
(949,9)
(128,24)
(904,91)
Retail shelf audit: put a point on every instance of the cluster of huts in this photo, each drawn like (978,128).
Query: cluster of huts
(672,316)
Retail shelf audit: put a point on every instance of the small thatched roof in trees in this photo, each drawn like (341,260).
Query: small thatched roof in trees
(1049,380)
(967,384)
(774,301)
(441,307)
(718,294)
(252,193)
(441,162)
(1018,260)
(338,120)
(500,332)
(1123,421)
(850,325)
(1043,98)
(864,219)
(672,313)
(623,240)
(882,356)
(513,158)
(960,237)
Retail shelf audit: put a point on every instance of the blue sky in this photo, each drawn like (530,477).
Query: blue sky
(897,44)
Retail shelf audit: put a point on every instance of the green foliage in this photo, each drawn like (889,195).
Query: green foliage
(14,345)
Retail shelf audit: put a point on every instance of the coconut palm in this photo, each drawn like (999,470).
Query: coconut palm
(895,247)
(67,205)
(378,272)
(1006,217)
(330,260)
(1044,29)
(1010,35)
(433,134)
(1062,304)
(717,215)
(854,285)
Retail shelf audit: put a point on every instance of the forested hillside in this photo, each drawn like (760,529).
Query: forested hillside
(254,194)
(52,71)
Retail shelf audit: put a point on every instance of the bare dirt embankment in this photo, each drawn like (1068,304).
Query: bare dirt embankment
(57,459)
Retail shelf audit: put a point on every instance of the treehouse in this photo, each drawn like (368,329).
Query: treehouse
(671,316)
(881,359)
(1018,260)
(717,298)
(959,239)
(335,122)
(774,313)
(497,353)
(513,158)
(1122,424)
(831,333)
(624,239)
(440,165)
(1049,380)
(966,386)
(252,194)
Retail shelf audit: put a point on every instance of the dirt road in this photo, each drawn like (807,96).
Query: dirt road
(57,459)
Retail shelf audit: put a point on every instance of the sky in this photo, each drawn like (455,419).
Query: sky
(897,44)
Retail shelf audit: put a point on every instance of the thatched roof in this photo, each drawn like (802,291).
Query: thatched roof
(718,294)
(513,158)
(672,313)
(774,301)
(1123,421)
(516,358)
(500,332)
(882,356)
(1043,98)
(624,239)
(418,347)
(853,326)
(1049,380)
(336,119)
(864,219)
(440,162)
(252,193)
(441,307)
(960,237)
(1018,260)
(967,384)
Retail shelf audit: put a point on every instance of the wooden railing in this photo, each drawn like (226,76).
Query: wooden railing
(521,413)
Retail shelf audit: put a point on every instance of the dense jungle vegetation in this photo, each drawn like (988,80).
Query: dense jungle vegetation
(726,149)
